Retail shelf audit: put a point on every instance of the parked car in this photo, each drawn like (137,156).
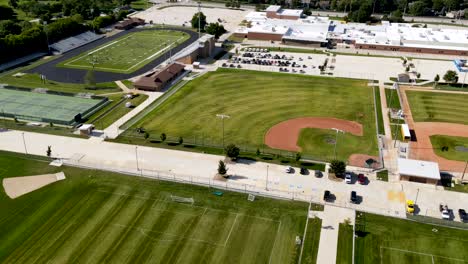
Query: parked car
(361,178)
(327,195)
(289,169)
(304,171)
(348,178)
(353,197)
(444,211)
(463,215)
(410,206)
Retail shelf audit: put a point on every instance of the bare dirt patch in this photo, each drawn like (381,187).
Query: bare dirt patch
(359,160)
(17,186)
(285,135)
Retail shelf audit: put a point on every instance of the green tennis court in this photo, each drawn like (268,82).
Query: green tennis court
(41,107)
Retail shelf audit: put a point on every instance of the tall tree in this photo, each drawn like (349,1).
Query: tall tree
(199,17)
(215,29)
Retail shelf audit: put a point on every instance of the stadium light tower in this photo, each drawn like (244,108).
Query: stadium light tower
(222,116)
(199,19)
(336,137)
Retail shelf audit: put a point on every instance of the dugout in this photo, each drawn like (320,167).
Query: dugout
(405,132)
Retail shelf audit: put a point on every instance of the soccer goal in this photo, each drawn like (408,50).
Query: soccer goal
(179,199)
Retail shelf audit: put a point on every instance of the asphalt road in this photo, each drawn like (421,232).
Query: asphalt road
(69,75)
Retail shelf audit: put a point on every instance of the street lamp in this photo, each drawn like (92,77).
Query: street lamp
(24,143)
(336,137)
(136,157)
(223,116)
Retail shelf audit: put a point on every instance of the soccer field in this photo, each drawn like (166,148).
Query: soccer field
(128,53)
(41,107)
(438,107)
(389,240)
(101,217)
(256,101)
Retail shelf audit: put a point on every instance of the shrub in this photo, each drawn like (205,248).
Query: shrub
(222,170)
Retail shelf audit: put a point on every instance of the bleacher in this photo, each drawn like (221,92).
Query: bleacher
(75,42)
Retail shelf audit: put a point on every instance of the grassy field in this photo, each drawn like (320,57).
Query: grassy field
(256,101)
(438,107)
(439,141)
(378,105)
(344,254)
(97,217)
(390,240)
(128,53)
(393,100)
(311,244)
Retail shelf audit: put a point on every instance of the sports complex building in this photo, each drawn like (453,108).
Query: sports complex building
(320,31)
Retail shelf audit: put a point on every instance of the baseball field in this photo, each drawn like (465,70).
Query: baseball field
(128,53)
(101,217)
(257,101)
(438,107)
(385,240)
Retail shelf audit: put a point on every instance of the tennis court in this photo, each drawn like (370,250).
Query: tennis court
(43,107)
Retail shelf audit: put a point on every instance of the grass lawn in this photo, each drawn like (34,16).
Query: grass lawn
(256,101)
(393,100)
(311,243)
(128,53)
(378,105)
(390,240)
(344,254)
(382,175)
(115,110)
(97,217)
(438,107)
(439,141)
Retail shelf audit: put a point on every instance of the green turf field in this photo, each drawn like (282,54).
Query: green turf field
(393,100)
(438,107)
(390,240)
(101,217)
(457,147)
(256,101)
(44,107)
(128,53)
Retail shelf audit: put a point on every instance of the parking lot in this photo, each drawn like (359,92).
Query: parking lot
(346,66)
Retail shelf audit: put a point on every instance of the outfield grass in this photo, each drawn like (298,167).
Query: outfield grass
(128,53)
(344,254)
(256,101)
(97,217)
(390,240)
(438,107)
(439,141)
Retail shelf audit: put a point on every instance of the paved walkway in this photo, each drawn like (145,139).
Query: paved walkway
(328,245)
(390,153)
(113,130)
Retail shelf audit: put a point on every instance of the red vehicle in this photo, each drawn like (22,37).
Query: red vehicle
(361,179)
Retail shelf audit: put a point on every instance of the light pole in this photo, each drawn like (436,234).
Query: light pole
(199,18)
(136,157)
(336,137)
(47,36)
(222,116)
(266,183)
(24,143)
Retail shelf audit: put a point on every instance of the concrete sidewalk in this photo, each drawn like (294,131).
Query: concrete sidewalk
(328,245)
(113,130)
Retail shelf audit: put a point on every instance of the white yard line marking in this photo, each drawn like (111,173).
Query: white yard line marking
(230,231)
(423,254)
(274,243)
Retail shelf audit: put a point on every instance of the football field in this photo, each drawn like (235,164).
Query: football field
(103,217)
(128,53)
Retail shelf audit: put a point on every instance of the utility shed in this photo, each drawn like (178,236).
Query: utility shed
(418,171)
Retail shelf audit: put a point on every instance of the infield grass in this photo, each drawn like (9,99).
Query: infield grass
(128,53)
(438,107)
(96,217)
(391,240)
(457,147)
(256,101)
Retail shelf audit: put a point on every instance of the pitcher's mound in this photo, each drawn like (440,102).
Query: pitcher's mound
(284,135)
(17,186)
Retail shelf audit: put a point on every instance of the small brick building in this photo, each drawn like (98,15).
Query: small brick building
(158,80)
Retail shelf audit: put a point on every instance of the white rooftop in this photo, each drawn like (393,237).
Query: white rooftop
(273,8)
(291,12)
(419,168)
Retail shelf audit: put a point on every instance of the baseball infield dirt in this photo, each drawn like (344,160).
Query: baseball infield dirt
(423,149)
(285,135)
(17,186)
